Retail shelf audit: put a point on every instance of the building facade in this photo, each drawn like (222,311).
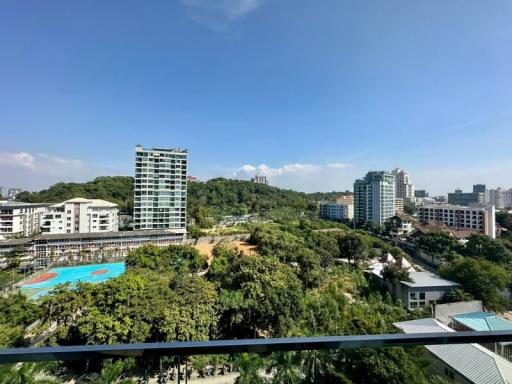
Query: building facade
(399,205)
(160,190)
(466,198)
(401,224)
(420,193)
(81,216)
(403,185)
(374,198)
(500,198)
(47,249)
(482,219)
(20,219)
(336,211)
(13,193)
(260,179)
(479,188)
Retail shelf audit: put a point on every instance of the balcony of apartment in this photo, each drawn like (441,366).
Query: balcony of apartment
(458,355)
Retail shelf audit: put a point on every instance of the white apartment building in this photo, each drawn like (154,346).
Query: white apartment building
(403,185)
(399,205)
(500,198)
(160,200)
(81,215)
(481,219)
(20,219)
(374,198)
(336,210)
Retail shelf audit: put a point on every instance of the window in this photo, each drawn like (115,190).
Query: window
(422,295)
(413,296)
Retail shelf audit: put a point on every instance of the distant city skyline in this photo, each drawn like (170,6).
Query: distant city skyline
(311,95)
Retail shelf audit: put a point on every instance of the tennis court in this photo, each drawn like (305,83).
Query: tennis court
(96,273)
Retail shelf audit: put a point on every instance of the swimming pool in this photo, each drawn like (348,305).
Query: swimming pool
(96,273)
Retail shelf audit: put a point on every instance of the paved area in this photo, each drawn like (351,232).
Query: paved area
(218,379)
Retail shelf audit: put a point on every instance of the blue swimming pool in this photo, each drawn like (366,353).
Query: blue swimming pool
(96,273)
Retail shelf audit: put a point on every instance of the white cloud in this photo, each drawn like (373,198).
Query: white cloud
(338,165)
(21,159)
(217,14)
(232,9)
(302,177)
(40,170)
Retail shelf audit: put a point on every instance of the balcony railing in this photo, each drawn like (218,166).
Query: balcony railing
(81,352)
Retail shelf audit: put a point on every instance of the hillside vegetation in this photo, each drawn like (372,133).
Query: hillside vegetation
(116,189)
(219,196)
(290,287)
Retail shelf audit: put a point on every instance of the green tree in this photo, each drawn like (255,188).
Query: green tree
(259,294)
(479,245)
(249,367)
(388,365)
(112,371)
(439,244)
(286,368)
(140,306)
(169,259)
(353,247)
(457,295)
(27,373)
(202,217)
(394,273)
(481,278)
(16,313)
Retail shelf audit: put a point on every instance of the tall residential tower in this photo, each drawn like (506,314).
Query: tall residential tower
(160,189)
(374,198)
(403,186)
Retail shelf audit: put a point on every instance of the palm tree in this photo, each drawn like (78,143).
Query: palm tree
(249,367)
(286,367)
(457,295)
(27,373)
(111,372)
(313,365)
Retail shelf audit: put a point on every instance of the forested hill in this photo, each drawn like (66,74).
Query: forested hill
(220,196)
(117,189)
(227,196)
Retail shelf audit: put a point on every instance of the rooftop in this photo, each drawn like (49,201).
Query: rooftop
(427,279)
(139,148)
(99,235)
(404,217)
(483,321)
(439,226)
(472,361)
(454,207)
(20,204)
(92,202)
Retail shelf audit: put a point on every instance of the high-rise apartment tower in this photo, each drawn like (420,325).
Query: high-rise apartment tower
(374,198)
(160,189)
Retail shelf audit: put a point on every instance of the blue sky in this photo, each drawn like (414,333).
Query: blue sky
(311,93)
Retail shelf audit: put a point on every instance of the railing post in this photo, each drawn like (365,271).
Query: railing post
(179,369)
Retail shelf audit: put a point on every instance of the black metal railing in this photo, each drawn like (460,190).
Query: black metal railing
(80,352)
